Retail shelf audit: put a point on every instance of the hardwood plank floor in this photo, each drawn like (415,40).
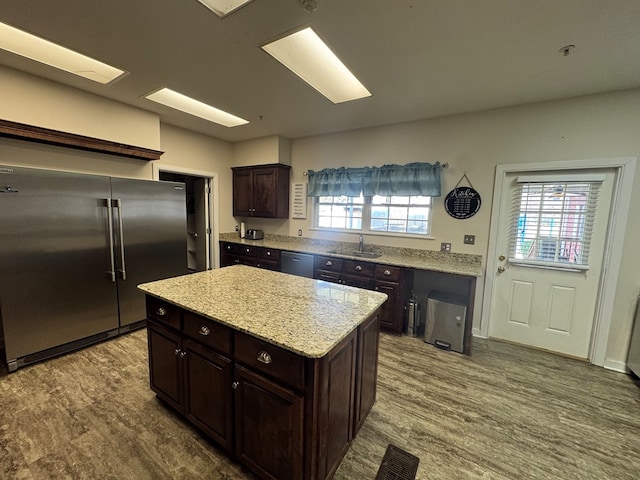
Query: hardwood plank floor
(507,412)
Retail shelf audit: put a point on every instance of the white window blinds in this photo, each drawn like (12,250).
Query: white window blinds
(552,220)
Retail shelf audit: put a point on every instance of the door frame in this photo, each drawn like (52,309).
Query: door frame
(620,203)
(213,203)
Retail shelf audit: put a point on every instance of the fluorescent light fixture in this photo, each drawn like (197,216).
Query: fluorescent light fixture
(181,102)
(306,55)
(223,8)
(35,48)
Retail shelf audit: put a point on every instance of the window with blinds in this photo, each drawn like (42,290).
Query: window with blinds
(552,221)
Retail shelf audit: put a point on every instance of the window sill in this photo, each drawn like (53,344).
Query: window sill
(372,233)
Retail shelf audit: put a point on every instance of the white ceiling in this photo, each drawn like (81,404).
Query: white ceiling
(419,58)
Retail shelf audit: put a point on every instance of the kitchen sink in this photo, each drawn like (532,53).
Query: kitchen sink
(356,253)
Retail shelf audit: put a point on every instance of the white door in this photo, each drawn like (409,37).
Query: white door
(549,258)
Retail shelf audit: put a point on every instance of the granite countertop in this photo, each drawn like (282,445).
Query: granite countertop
(446,262)
(305,316)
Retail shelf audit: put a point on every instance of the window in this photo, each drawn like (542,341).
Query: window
(552,222)
(390,214)
(340,212)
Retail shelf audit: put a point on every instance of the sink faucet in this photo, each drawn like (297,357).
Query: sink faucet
(360,243)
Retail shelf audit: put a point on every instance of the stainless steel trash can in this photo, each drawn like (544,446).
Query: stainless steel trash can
(446,318)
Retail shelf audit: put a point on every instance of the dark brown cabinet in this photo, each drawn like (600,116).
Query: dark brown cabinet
(282,415)
(192,379)
(237,254)
(269,426)
(261,191)
(394,281)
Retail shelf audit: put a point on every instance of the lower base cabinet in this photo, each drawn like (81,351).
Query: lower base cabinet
(269,426)
(283,416)
(193,380)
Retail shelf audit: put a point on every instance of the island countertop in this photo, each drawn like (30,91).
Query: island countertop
(305,316)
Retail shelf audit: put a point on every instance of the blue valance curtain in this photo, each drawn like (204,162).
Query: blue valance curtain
(410,179)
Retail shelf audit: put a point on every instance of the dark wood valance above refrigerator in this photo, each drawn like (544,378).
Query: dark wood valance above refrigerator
(32,133)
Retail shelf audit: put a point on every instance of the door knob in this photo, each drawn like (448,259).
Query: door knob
(501,269)
(502,258)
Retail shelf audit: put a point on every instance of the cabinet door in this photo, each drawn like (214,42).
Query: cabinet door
(367,370)
(165,365)
(208,378)
(242,193)
(389,317)
(264,192)
(269,427)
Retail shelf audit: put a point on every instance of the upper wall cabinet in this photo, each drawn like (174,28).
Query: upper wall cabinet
(261,191)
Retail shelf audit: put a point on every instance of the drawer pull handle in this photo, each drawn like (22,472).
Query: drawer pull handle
(161,312)
(387,272)
(264,357)
(204,330)
(358,268)
(329,263)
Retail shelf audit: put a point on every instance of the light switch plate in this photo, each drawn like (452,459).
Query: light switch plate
(469,239)
(445,247)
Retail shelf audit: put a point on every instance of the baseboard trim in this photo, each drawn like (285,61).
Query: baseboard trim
(615,365)
(477,333)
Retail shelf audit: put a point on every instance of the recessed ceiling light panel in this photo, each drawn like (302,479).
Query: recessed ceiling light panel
(181,102)
(35,48)
(223,8)
(306,55)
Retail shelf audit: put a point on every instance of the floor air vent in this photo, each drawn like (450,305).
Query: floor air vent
(397,465)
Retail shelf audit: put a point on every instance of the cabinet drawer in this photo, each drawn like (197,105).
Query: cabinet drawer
(387,273)
(354,267)
(247,250)
(276,362)
(268,254)
(163,312)
(230,247)
(330,264)
(208,332)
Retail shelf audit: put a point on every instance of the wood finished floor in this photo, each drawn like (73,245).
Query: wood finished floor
(505,413)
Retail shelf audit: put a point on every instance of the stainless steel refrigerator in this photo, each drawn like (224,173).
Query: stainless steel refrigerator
(73,248)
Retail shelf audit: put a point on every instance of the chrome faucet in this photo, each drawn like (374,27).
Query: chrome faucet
(360,243)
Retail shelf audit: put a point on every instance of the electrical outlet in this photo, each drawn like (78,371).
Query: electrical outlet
(445,247)
(470,239)
(299,232)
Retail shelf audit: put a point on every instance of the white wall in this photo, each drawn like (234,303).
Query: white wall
(36,101)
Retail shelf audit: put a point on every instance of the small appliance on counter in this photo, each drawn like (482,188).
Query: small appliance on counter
(253,234)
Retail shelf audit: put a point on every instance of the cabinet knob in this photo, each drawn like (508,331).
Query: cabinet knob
(237,261)
(161,312)
(204,330)
(358,268)
(268,254)
(183,354)
(264,357)
(387,272)
(235,385)
(176,352)
(247,250)
(329,263)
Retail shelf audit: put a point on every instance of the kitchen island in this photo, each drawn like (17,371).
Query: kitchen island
(279,370)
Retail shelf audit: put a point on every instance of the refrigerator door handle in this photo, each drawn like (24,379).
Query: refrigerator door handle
(123,270)
(112,272)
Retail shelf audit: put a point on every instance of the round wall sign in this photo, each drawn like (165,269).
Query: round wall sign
(462,202)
